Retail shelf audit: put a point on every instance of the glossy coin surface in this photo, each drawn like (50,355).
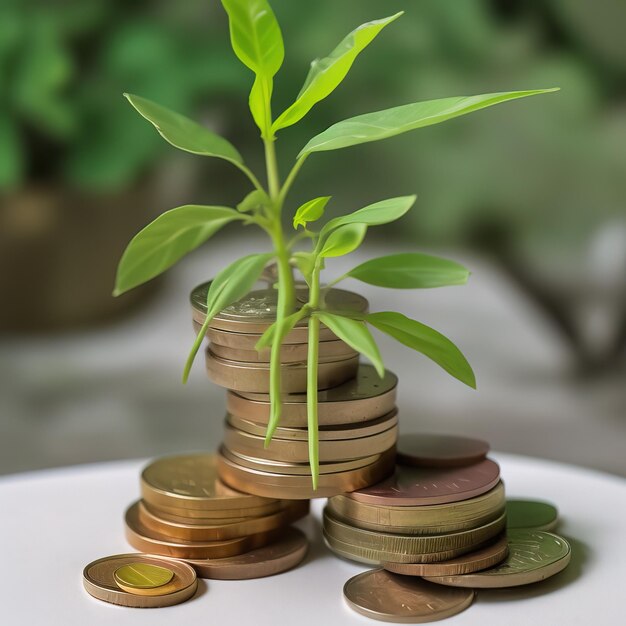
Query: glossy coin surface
(431,450)
(475,561)
(531,515)
(279,556)
(533,556)
(361,399)
(99,581)
(248,341)
(191,482)
(143,578)
(289,353)
(414,486)
(384,596)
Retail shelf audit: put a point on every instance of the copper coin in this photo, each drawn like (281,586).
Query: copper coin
(533,556)
(191,482)
(384,596)
(146,540)
(99,581)
(299,487)
(468,563)
(429,450)
(289,353)
(255,377)
(414,486)
(361,399)
(531,515)
(221,532)
(279,556)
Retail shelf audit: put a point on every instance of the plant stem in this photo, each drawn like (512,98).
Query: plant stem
(249,174)
(291,177)
(273,179)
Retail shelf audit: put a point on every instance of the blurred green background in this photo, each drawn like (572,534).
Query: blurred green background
(535,189)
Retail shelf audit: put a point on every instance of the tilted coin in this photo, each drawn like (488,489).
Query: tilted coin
(422,520)
(192,482)
(289,353)
(384,596)
(431,450)
(534,555)
(531,515)
(278,556)
(412,486)
(99,581)
(475,561)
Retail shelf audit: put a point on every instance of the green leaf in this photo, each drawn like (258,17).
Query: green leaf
(305,262)
(391,122)
(230,285)
(254,201)
(343,240)
(426,340)
(328,73)
(356,334)
(410,271)
(310,211)
(166,240)
(12,157)
(184,133)
(373,215)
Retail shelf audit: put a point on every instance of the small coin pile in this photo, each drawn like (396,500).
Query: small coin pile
(358,421)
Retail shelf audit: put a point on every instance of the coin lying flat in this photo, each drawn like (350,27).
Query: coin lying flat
(414,486)
(430,450)
(384,596)
(289,353)
(533,556)
(144,579)
(99,581)
(279,556)
(531,515)
(482,559)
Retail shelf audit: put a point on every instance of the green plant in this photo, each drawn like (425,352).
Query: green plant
(257,41)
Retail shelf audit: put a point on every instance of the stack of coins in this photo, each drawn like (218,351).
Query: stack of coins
(358,422)
(187,513)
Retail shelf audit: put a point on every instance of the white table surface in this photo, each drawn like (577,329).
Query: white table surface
(53,523)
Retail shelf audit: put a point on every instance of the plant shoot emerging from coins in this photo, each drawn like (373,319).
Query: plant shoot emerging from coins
(257,41)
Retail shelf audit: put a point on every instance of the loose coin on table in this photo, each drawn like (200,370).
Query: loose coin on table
(99,581)
(144,579)
(384,596)
(531,515)
(412,486)
(533,556)
(278,556)
(484,558)
(430,450)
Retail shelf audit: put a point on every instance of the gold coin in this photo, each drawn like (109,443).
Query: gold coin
(325,433)
(533,556)
(255,377)
(181,516)
(99,581)
(411,544)
(278,556)
(380,595)
(146,540)
(292,451)
(192,482)
(248,341)
(484,558)
(144,579)
(361,399)
(421,520)
(222,532)
(289,353)
(299,487)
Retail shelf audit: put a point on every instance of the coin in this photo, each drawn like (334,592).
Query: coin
(299,487)
(414,486)
(361,399)
(255,377)
(384,596)
(221,532)
(249,340)
(142,575)
(430,450)
(289,353)
(147,540)
(292,451)
(534,555)
(99,581)
(411,544)
(484,558)
(191,482)
(279,556)
(422,520)
(531,515)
